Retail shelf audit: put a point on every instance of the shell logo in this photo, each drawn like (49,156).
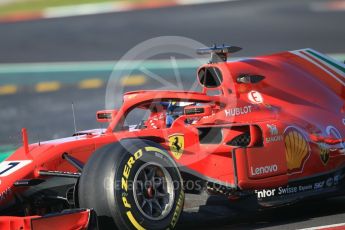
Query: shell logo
(296,148)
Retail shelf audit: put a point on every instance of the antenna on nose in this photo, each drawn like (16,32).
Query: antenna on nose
(74,122)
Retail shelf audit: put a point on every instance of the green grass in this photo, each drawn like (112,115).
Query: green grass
(4,155)
(6,151)
(37,5)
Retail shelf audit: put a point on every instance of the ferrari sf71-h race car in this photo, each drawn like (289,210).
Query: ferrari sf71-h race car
(270,127)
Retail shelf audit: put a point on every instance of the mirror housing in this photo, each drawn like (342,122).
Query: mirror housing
(199,111)
(106,115)
(249,79)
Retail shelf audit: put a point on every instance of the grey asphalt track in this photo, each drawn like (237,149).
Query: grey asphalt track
(303,215)
(260,26)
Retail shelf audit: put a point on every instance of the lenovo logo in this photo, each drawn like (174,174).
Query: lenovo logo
(264,170)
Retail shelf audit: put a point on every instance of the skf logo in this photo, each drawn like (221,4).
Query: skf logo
(324,153)
(176,144)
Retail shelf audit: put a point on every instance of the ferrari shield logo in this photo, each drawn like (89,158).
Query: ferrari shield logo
(324,153)
(176,144)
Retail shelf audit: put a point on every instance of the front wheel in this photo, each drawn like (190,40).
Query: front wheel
(134,184)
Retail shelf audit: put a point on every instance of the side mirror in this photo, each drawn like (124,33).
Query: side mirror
(199,111)
(106,115)
(247,78)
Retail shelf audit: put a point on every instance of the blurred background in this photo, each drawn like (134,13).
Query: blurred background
(57,52)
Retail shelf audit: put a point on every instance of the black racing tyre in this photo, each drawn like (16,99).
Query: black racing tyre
(133,184)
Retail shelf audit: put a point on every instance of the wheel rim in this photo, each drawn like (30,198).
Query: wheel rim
(153,191)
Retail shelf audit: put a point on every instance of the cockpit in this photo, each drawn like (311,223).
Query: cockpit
(163,114)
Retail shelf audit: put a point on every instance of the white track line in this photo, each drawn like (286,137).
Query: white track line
(110,7)
(324,227)
(106,65)
(198,2)
(85,9)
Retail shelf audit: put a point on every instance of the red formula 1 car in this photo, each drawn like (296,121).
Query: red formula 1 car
(270,127)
